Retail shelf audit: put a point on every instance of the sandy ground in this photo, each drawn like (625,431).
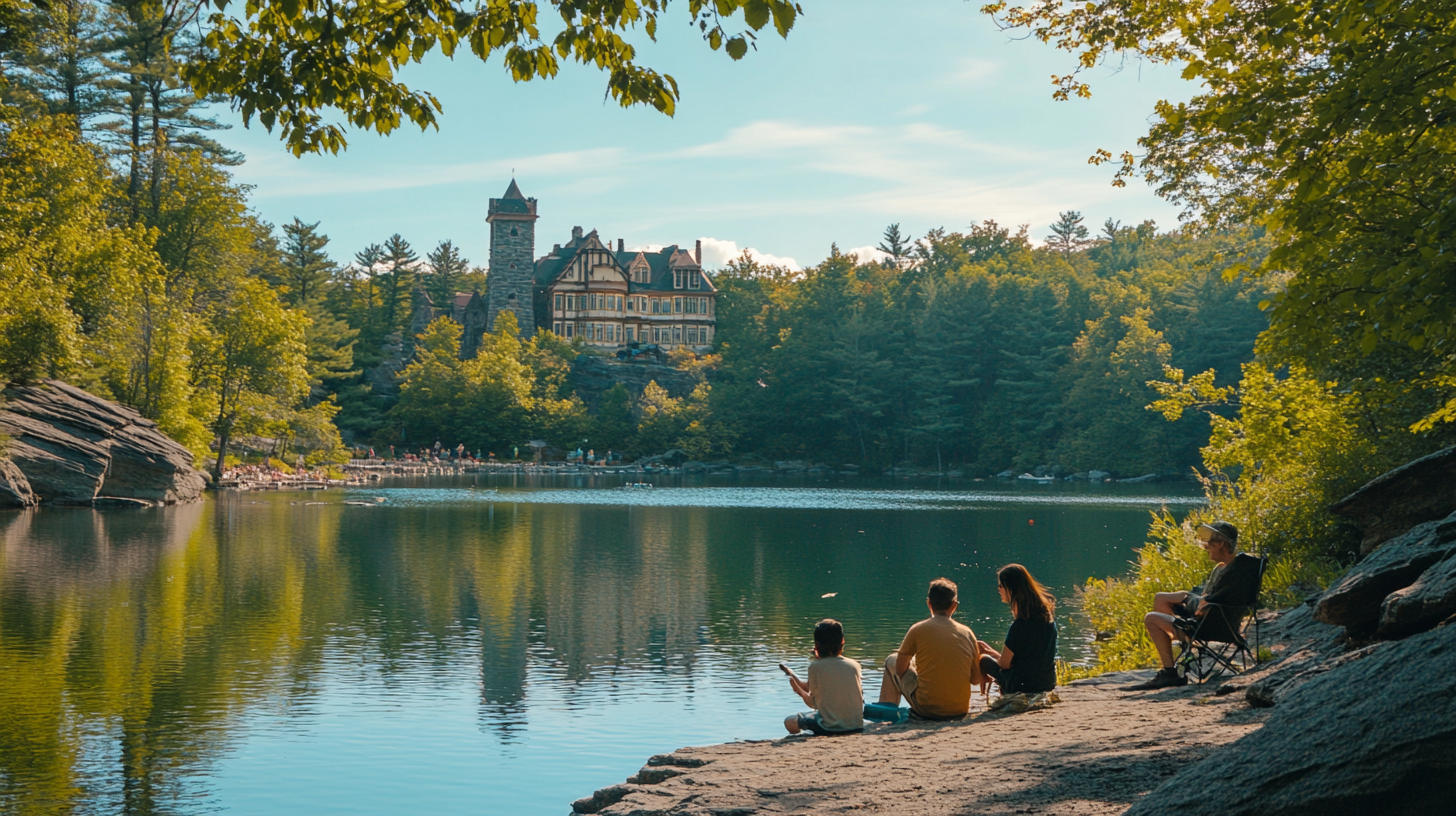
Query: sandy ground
(1095,752)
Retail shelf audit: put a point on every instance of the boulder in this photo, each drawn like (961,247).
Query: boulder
(72,447)
(14,487)
(1375,734)
(1097,475)
(1394,502)
(1355,601)
(1423,604)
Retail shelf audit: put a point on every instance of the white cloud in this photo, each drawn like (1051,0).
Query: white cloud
(718,252)
(867,254)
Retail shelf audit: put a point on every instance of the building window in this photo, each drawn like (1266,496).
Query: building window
(656,305)
(568,329)
(692,305)
(656,334)
(677,278)
(557,328)
(692,335)
(558,303)
(677,305)
(599,331)
(677,334)
(693,281)
(629,334)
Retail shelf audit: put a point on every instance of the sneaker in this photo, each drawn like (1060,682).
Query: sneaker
(1165,678)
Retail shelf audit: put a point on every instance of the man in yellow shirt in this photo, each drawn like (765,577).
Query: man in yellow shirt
(937,663)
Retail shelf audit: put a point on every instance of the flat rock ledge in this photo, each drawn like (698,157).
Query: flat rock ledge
(67,446)
(1096,752)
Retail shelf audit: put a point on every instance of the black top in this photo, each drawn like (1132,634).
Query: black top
(1235,585)
(1033,646)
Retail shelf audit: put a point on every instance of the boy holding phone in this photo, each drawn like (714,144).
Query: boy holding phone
(833,690)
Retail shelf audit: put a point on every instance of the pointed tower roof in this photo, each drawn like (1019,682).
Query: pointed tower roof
(513,191)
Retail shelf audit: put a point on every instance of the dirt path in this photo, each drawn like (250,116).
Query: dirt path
(1094,753)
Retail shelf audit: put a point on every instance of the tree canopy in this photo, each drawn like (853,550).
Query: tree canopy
(1329,121)
(288,62)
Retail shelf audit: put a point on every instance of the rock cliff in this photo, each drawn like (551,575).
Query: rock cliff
(591,376)
(66,446)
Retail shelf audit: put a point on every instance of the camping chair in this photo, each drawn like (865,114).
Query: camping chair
(1214,640)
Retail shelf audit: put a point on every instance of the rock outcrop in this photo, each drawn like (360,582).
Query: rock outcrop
(591,376)
(67,446)
(14,488)
(1364,693)
(1376,734)
(1356,600)
(1419,491)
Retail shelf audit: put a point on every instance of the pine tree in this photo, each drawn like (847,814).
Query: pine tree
(899,247)
(395,282)
(447,268)
(305,267)
(62,62)
(1068,234)
(154,107)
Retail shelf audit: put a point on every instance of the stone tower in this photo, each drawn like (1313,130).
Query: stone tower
(511,279)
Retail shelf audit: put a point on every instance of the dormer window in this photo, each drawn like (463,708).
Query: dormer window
(677,279)
(694,281)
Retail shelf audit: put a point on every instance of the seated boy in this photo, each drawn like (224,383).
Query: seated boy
(833,690)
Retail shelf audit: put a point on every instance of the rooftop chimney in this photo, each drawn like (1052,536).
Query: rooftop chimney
(698,253)
(576,233)
(621,245)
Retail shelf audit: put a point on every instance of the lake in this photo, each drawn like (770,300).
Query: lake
(465,646)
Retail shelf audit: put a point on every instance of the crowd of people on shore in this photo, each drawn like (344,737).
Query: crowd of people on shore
(940,661)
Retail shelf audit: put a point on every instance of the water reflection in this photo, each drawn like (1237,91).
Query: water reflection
(143,654)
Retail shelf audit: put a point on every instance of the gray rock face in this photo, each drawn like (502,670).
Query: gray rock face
(1355,602)
(1394,502)
(1423,604)
(14,488)
(1375,734)
(591,376)
(72,447)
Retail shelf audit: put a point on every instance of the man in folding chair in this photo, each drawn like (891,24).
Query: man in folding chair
(1233,582)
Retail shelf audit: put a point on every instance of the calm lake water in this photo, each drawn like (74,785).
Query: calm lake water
(453,650)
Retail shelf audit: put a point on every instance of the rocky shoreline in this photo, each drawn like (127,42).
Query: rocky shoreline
(1354,714)
(62,445)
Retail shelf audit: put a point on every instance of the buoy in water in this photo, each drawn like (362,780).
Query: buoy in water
(1031,521)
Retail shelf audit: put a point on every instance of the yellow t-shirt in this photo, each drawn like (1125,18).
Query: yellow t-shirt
(946,657)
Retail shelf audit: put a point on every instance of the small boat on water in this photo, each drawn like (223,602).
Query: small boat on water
(636,486)
(1027,477)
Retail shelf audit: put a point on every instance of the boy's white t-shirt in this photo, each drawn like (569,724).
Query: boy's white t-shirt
(834,686)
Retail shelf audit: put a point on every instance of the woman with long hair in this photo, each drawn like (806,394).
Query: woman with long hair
(1028,662)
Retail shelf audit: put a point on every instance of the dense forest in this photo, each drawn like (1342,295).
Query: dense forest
(973,350)
(135,268)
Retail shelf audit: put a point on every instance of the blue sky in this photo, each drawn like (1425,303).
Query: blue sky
(869,113)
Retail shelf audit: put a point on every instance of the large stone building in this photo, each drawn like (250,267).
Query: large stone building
(586,288)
